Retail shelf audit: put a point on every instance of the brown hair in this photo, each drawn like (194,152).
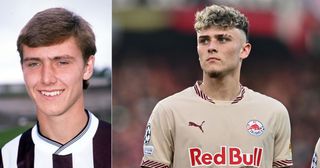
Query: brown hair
(221,17)
(54,26)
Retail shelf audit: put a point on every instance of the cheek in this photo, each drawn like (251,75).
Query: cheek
(71,74)
(30,78)
(201,52)
(233,52)
(71,78)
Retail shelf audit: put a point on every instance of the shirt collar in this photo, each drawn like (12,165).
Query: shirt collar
(202,95)
(52,146)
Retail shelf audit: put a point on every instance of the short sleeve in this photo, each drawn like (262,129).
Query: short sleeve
(158,140)
(282,145)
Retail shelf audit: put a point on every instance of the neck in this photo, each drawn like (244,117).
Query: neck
(221,89)
(63,128)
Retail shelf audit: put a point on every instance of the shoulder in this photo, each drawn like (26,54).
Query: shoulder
(181,96)
(17,139)
(104,126)
(165,108)
(269,105)
(12,144)
(264,100)
(176,100)
(102,144)
(100,130)
(23,140)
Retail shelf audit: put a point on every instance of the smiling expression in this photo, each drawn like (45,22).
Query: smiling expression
(53,76)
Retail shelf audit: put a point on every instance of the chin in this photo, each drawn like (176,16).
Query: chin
(50,111)
(215,74)
(53,113)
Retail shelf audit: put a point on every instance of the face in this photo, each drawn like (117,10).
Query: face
(221,50)
(53,77)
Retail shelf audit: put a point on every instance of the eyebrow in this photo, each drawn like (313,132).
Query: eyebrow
(68,57)
(54,58)
(30,59)
(204,36)
(223,35)
(216,36)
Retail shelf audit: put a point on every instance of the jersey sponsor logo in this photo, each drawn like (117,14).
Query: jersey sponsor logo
(192,124)
(255,127)
(314,162)
(147,135)
(227,156)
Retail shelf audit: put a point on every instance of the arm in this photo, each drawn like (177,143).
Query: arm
(282,142)
(158,143)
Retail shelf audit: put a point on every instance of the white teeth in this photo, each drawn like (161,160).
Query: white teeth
(54,93)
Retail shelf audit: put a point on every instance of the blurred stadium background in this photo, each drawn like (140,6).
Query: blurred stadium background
(154,55)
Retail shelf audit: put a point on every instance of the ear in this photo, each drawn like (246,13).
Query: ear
(245,51)
(88,69)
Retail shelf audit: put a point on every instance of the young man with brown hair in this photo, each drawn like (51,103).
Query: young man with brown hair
(57,50)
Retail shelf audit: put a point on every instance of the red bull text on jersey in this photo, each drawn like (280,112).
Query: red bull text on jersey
(189,129)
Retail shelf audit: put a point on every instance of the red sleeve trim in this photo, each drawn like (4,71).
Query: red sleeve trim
(153,164)
(283,163)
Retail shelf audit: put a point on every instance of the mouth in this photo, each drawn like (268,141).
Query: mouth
(51,93)
(212,59)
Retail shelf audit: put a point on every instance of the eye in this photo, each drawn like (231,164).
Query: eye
(63,62)
(31,64)
(223,39)
(204,41)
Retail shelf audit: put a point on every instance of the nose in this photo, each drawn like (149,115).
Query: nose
(212,48)
(48,75)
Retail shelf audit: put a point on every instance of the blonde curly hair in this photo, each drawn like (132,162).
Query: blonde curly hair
(222,17)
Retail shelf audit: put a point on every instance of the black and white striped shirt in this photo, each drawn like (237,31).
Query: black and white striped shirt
(91,148)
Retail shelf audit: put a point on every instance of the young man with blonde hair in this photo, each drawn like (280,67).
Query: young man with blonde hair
(219,122)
